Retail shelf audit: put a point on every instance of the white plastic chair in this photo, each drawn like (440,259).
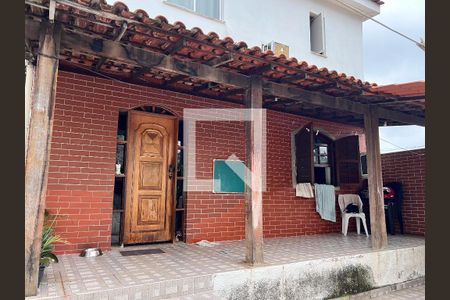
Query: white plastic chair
(346,199)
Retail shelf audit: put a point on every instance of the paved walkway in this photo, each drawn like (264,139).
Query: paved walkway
(188,269)
(416,293)
(202,296)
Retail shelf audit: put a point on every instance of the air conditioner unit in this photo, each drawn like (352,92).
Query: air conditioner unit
(277,48)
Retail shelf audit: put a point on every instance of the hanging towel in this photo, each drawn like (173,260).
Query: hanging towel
(304,190)
(325,201)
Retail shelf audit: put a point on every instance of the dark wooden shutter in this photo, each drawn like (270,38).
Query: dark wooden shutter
(364,164)
(347,160)
(303,155)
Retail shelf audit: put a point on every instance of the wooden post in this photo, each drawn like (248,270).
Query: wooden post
(36,165)
(29,76)
(253,196)
(376,199)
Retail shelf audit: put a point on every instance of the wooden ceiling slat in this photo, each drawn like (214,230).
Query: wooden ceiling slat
(321,87)
(108,15)
(181,43)
(80,41)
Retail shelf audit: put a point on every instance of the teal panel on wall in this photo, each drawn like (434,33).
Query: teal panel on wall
(229,176)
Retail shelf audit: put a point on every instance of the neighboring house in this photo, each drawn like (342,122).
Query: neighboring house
(415,91)
(408,168)
(326,33)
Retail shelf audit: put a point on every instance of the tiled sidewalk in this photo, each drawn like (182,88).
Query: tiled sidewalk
(187,269)
(201,296)
(414,293)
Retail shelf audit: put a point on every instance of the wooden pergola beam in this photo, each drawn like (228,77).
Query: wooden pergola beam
(253,194)
(375,180)
(220,61)
(149,59)
(320,87)
(281,102)
(406,99)
(389,114)
(174,79)
(292,78)
(204,86)
(232,92)
(315,98)
(94,10)
(119,34)
(337,103)
(126,53)
(52,10)
(36,163)
(135,74)
(181,43)
(259,70)
(29,77)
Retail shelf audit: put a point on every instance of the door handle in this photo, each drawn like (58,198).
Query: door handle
(171,171)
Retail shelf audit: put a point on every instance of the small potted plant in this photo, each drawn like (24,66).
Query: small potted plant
(48,239)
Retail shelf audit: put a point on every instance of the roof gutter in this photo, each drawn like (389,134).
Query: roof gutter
(367,7)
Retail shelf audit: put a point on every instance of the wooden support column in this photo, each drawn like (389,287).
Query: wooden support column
(375,183)
(29,76)
(36,165)
(253,194)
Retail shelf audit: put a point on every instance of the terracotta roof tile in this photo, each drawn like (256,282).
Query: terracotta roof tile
(404,89)
(144,36)
(157,34)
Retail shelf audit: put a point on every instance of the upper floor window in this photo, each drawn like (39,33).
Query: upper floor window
(317,33)
(209,8)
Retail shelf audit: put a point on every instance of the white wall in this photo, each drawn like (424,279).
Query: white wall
(284,21)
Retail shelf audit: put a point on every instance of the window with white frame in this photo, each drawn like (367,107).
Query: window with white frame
(317,33)
(209,8)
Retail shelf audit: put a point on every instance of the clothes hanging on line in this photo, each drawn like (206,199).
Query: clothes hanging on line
(304,190)
(326,201)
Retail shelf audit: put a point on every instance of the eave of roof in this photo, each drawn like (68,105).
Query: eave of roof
(156,34)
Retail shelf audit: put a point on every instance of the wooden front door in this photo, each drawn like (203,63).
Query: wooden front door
(150,177)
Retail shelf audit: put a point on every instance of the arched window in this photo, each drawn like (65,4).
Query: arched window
(317,158)
(154,109)
(323,153)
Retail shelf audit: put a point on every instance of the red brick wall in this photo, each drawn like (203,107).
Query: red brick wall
(408,167)
(82,159)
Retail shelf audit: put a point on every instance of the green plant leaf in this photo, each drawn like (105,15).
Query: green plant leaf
(49,238)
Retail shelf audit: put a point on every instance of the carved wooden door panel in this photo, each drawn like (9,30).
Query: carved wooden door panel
(150,177)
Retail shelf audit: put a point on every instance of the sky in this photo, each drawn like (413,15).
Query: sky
(390,58)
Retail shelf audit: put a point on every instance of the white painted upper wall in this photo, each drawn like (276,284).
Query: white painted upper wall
(285,21)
